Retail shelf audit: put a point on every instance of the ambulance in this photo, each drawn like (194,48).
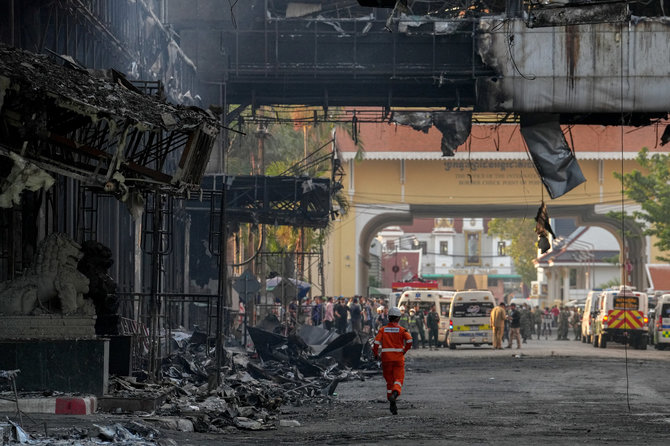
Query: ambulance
(588,316)
(621,316)
(661,333)
(425,299)
(470,318)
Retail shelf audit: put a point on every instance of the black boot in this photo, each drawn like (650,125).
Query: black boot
(393,406)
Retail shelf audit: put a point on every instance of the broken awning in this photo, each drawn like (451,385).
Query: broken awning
(98,128)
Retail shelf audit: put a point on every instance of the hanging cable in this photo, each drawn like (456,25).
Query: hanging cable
(624,256)
(255,254)
(298,167)
(232,13)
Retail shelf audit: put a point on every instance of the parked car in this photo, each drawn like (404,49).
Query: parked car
(621,317)
(660,327)
(470,318)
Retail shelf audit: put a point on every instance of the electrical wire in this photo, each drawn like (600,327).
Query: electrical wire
(623,215)
(510,43)
(232,13)
(255,254)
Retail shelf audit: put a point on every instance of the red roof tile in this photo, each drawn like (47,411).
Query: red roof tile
(659,276)
(500,138)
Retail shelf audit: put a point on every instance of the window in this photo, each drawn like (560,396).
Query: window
(501,248)
(444,248)
(573,277)
(448,282)
(424,247)
(478,309)
(444,309)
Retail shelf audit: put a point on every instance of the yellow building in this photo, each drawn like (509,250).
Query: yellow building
(403,175)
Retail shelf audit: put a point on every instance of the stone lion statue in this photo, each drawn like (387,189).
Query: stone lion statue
(51,284)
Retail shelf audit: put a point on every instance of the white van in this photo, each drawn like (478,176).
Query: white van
(621,317)
(470,318)
(661,333)
(590,307)
(425,299)
(393,298)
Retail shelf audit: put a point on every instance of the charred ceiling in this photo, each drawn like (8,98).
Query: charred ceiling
(463,55)
(339,54)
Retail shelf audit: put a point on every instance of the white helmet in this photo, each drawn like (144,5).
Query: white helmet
(394,311)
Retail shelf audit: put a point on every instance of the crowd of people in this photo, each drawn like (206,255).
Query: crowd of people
(364,315)
(368,315)
(520,324)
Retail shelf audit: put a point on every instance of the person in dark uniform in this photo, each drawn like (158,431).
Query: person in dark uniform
(514,326)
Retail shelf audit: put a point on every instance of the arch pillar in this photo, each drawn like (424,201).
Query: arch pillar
(636,242)
(374,219)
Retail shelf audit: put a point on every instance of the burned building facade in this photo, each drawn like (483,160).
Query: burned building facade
(101,142)
(101,136)
(103,150)
(120,43)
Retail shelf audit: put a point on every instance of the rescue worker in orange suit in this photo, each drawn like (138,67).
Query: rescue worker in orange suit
(391,344)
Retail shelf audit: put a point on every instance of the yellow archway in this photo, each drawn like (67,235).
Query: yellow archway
(392,185)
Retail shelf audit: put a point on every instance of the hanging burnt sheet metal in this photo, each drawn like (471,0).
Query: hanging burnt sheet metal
(99,129)
(555,162)
(420,121)
(455,128)
(454,125)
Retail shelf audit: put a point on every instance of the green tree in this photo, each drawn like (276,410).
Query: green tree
(522,248)
(651,190)
(610,284)
(284,149)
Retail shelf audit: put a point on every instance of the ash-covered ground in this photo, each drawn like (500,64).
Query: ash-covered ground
(548,392)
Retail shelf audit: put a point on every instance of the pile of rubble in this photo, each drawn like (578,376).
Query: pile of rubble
(304,367)
(250,388)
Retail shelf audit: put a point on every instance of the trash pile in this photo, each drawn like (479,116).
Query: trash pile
(250,390)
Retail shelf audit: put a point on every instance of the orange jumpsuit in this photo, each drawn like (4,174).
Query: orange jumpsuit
(394,341)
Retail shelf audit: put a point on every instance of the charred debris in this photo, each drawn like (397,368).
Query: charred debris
(98,127)
(300,367)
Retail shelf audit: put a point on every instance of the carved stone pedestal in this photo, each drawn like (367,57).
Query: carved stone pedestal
(54,352)
(48,326)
